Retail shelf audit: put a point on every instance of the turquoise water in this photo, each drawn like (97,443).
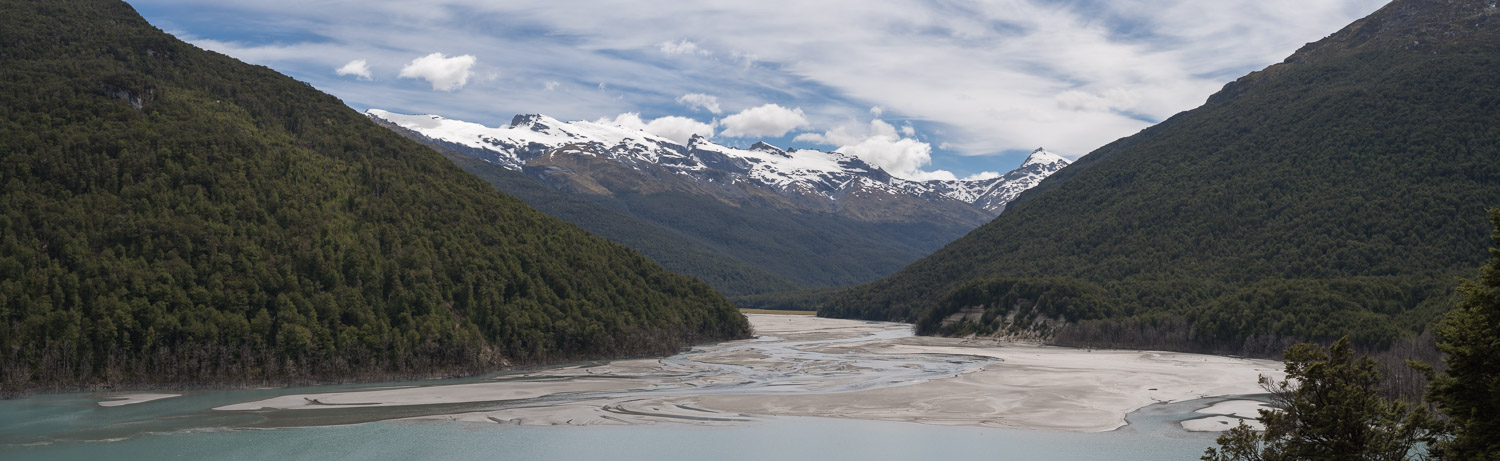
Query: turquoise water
(76,427)
(73,426)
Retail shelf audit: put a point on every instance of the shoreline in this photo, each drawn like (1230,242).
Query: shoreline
(808,366)
(370,378)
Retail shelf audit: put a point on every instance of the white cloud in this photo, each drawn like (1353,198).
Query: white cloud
(838,136)
(550,85)
(701,101)
(878,143)
(880,128)
(982,175)
(908,130)
(1111,99)
(681,48)
(767,121)
(901,157)
(877,111)
(358,68)
(983,77)
(746,59)
(444,73)
(630,120)
(677,129)
(843,135)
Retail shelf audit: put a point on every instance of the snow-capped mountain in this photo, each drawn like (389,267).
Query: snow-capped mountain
(995,193)
(812,179)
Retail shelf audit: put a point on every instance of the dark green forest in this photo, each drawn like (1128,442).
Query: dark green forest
(171,215)
(1329,405)
(795,300)
(1340,192)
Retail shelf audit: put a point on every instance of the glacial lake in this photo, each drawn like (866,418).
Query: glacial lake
(676,408)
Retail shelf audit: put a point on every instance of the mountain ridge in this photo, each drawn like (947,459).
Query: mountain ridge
(818,219)
(1335,193)
(798,174)
(675,250)
(816,249)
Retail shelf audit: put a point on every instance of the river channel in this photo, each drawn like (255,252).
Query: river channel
(805,388)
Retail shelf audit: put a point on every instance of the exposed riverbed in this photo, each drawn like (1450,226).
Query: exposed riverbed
(799,372)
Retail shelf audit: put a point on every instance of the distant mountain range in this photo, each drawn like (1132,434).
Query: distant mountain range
(1339,192)
(808,218)
(807,179)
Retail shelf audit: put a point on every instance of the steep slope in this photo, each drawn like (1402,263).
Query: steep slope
(1337,192)
(674,250)
(817,218)
(997,195)
(171,215)
(812,249)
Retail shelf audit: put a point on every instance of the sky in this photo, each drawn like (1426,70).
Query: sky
(926,89)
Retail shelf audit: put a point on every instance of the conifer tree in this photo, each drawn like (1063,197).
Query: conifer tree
(1327,408)
(1468,393)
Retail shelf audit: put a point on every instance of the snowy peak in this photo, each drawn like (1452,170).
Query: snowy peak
(996,193)
(423,121)
(533,122)
(769,149)
(801,175)
(1041,156)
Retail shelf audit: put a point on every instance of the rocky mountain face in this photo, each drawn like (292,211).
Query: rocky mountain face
(995,194)
(599,159)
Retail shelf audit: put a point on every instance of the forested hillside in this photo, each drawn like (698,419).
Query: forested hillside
(171,215)
(1338,192)
(672,249)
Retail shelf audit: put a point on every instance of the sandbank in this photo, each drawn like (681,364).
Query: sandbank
(1227,415)
(809,366)
(131,399)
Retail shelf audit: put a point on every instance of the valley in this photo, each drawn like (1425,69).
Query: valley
(808,366)
(749,221)
(209,256)
(797,366)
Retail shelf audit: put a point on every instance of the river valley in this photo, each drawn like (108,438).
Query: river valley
(805,388)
